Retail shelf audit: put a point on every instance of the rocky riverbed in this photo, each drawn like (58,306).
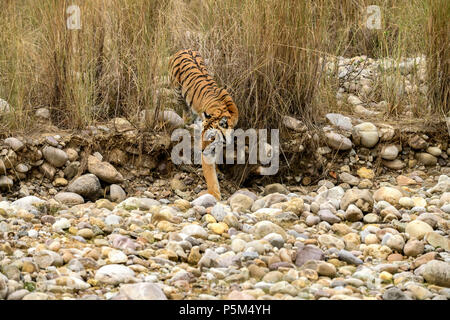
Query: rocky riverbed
(363,213)
(329,242)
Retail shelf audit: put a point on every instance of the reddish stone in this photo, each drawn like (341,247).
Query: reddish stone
(281,264)
(423,259)
(405,181)
(395,257)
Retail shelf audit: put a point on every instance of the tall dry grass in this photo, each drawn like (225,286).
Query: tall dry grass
(107,68)
(251,50)
(438,44)
(266,52)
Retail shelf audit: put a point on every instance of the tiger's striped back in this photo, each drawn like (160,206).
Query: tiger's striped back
(194,86)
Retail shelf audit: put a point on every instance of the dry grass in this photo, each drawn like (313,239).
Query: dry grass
(438,44)
(265,52)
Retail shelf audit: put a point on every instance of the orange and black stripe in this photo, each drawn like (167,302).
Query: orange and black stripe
(192,82)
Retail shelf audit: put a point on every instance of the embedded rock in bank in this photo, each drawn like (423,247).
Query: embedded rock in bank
(426,159)
(14,143)
(104,170)
(417,143)
(340,121)
(365,134)
(294,124)
(56,157)
(338,141)
(6,183)
(389,152)
(87,185)
(116,193)
(396,164)
(69,198)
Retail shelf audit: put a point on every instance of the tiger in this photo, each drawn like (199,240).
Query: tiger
(202,96)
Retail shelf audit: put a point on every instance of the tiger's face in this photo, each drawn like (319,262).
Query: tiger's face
(222,118)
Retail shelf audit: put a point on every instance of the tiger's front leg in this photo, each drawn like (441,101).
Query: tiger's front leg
(209,171)
(209,167)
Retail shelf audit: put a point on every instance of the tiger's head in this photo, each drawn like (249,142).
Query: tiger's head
(221,117)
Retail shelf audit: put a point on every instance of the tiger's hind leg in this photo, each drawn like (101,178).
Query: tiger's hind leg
(188,115)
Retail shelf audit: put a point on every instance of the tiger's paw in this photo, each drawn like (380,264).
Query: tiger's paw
(216,194)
